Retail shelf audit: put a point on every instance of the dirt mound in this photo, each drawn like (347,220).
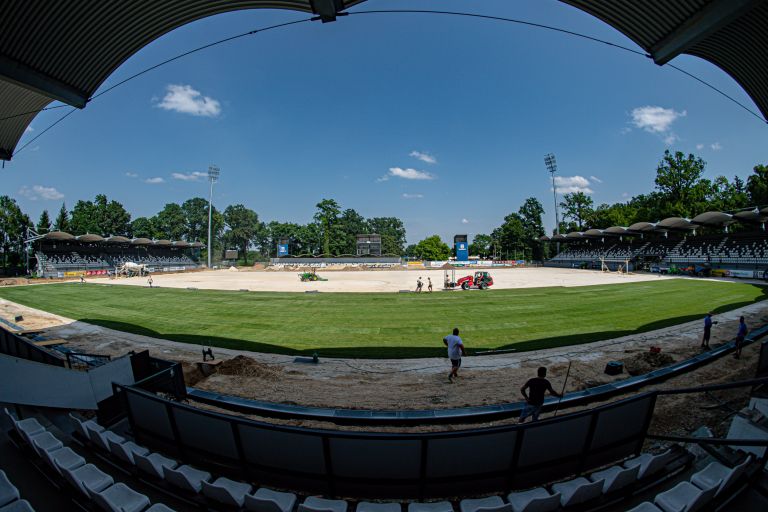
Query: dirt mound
(244,366)
(646,362)
(192,373)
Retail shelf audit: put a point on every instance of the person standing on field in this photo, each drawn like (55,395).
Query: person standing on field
(707,330)
(429,285)
(455,351)
(740,337)
(533,391)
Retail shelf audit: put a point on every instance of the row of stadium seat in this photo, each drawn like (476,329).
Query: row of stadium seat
(10,498)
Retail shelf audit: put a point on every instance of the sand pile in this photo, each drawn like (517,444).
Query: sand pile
(645,362)
(244,366)
(233,269)
(192,373)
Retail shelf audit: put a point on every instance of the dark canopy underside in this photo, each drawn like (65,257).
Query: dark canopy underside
(65,50)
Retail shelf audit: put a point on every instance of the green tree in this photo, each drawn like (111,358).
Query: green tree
(142,227)
(195,212)
(392,233)
(757,185)
(62,219)
(43,224)
(533,228)
(351,224)
(327,217)
(433,249)
(577,206)
(13,226)
(169,223)
(243,226)
(84,219)
(678,178)
(481,246)
(510,237)
(101,217)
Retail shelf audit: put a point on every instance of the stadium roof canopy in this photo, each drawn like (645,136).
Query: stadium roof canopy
(89,238)
(64,51)
(58,235)
(641,227)
(753,215)
(675,223)
(712,218)
(117,240)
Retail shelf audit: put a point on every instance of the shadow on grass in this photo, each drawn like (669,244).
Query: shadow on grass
(405,352)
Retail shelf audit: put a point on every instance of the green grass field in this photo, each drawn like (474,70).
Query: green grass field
(389,324)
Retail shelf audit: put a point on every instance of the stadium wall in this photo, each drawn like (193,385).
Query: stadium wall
(392,260)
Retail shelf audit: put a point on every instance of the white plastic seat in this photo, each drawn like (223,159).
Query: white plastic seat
(18,506)
(489,504)
(120,498)
(646,506)
(267,500)
(616,477)
(8,491)
(186,478)
(81,426)
(649,464)
(435,506)
(534,500)
(153,463)
(159,507)
(45,442)
(87,478)
(63,458)
(226,491)
(578,490)
(315,504)
(716,472)
(684,497)
(368,506)
(126,451)
(101,438)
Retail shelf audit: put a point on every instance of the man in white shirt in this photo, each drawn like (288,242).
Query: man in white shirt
(455,351)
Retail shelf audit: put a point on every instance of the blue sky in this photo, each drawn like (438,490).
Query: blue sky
(438,120)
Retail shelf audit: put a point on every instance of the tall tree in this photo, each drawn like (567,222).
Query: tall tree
(481,246)
(577,206)
(510,236)
(392,233)
(432,249)
(533,227)
(243,226)
(327,217)
(678,177)
(13,224)
(351,224)
(169,223)
(62,219)
(757,185)
(101,217)
(142,227)
(196,220)
(44,224)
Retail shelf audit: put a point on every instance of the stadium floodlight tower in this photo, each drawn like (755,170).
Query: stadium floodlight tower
(551,163)
(213,177)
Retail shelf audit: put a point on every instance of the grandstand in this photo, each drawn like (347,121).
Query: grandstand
(60,254)
(669,243)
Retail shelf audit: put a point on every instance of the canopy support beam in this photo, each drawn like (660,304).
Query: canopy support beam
(33,80)
(327,9)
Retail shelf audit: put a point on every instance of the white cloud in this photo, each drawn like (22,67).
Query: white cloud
(154,181)
(132,175)
(716,146)
(423,156)
(655,119)
(406,174)
(464,221)
(40,192)
(671,139)
(625,195)
(699,146)
(596,179)
(571,184)
(190,176)
(413,196)
(186,100)
(625,130)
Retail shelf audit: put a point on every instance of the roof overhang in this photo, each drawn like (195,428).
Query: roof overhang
(89,238)
(58,235)
(141,241)
(712,218)
(676,224)
(117,240)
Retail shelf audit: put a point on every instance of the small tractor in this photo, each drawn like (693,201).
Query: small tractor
(481,281)
(310,276)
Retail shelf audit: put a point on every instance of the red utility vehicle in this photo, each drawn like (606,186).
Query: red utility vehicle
(481,280)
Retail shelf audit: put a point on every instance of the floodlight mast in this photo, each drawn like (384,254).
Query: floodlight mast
(213,177)
(551,163)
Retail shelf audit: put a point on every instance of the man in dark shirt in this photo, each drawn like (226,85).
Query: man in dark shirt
(538,387)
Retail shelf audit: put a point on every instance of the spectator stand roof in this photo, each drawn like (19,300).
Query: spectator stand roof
(64,51)
(89,238)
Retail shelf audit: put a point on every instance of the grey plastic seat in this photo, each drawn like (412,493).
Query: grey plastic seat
(8,491)
(489,504)
(126,451)
(63,458)
(315,504)
(649,464)
(716,472)
(83,427)
(267,500)
(18,506)
(646,506)
(86,478)
(28,428)
(102,438)
(45,442)
(120,498)
(153,464)
(534,500)
(225,491)
(435,506)
(367,506)
(186,478)
(685,497)
(159,507)
(616,477)
(579,490)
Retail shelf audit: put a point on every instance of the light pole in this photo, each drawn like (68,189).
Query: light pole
(213,177)
(551,163)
